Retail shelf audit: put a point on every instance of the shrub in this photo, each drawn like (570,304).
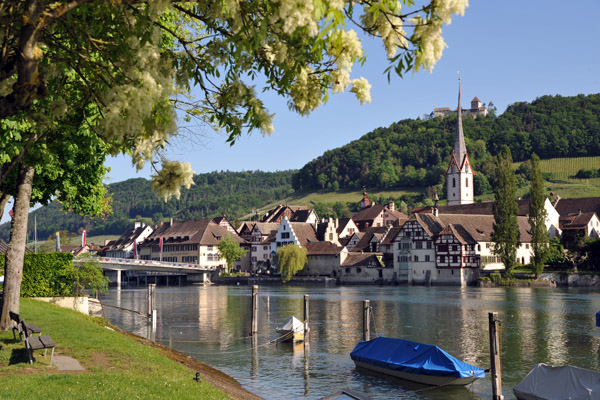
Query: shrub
(46,274)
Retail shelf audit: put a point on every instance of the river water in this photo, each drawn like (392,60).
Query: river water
(554,326)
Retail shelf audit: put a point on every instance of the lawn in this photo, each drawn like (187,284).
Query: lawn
(117,366)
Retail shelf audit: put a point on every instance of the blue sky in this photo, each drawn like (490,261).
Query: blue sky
(506,51)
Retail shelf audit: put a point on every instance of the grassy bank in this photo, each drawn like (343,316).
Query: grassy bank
(117,365)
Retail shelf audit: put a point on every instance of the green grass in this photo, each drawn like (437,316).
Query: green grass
(116,365)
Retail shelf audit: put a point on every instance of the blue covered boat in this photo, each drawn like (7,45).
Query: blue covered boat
(413,361)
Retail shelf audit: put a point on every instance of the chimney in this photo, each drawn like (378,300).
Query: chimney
(392,206)
(171,222)
(137,224)
(435,211)
(57,241)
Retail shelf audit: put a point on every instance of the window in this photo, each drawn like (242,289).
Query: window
(285,235)
(454,259)
(443,248)
(331,236)
(487,245)
(467,182)
(348,270)
(253,248)
(406,245)
(416,258)
(454,248)
(526,245)
(358,270)
(478,247)
(407,234)
(427,258)
(442,259)
(429,245)
(265,247)
(453,182)
(253,259)
(418,245)
(209,248)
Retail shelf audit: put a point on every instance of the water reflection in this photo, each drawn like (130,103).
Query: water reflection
(212,324)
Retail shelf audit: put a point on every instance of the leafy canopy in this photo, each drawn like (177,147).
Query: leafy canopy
(291,258)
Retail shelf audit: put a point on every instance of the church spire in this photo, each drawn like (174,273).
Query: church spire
(460,150)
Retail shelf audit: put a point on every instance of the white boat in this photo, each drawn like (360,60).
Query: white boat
(545,382)
(291,330)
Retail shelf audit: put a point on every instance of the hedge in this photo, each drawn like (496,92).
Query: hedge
(46,274)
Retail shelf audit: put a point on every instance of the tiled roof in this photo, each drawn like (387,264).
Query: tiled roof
(573,206)
(301,215)
(369,213)
(266,228)
(305,232)
(364,241)
(4,248)
(480,227)
(279,211)
(204,232)
(577,221)
(342,223)
(481,208)
(125,240)
(359,259)
(323,248)
(391,235)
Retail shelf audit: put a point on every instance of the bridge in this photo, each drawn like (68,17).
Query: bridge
(113,268)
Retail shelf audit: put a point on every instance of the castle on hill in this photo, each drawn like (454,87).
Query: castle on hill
(477,108)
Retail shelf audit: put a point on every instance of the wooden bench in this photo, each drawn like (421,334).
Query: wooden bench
(37,343)
(16,326)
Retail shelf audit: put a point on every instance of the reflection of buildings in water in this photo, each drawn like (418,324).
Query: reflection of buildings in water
(525,312)
(555,326)
(473,328)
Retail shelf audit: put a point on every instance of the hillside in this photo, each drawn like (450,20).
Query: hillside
(416,152)
(214,194)
(403,163)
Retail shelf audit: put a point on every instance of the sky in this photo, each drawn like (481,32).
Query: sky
(506,51)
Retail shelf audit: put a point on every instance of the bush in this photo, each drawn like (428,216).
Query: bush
(46,274)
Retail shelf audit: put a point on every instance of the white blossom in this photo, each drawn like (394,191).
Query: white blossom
(362,88)
(172,176)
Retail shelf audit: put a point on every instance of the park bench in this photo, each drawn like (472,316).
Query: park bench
(37,343)
(16,326)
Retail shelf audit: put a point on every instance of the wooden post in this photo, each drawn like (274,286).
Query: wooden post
(366,320)
(151,298)
(495,358)
(306,328)
(254,329)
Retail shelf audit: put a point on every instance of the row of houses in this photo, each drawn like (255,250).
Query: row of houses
(448,245)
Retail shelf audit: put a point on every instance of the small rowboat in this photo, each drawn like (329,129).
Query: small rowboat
(291,330)
(545,382)
(413,361)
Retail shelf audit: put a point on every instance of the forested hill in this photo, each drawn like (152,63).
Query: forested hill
(214,194)
(416,152)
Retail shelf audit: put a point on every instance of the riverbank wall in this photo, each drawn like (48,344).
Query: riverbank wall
(275,281)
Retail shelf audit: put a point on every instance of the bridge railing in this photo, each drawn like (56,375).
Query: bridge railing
(131,261)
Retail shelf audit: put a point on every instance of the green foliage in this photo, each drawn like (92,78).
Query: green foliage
(214,194)
(230,250)
(415,152)
(537,217)
(88,276)
(291,258)
(46,274)
(505,233)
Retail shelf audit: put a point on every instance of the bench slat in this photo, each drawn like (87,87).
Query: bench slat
(47,341)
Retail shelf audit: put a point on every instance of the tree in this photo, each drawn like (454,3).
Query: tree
(119,70)
(537,217)
(505,234)
(230,250)
(88,276)
(291,258)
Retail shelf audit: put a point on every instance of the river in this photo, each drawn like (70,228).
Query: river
(554,326)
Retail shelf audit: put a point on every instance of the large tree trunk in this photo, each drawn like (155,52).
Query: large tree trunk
(13,272)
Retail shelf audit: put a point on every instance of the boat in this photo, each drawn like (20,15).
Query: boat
(545,382)
(291,330)
(417,362)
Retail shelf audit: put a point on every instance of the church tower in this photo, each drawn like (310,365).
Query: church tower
(459,176)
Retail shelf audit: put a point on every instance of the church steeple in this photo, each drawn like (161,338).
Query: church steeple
(459,176)
(460,150)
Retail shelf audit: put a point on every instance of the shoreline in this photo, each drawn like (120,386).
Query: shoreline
(219,379)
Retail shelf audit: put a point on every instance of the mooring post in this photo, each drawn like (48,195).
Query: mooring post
(151,299)
(306,328)
(254,329)
(495,358)
(366,320)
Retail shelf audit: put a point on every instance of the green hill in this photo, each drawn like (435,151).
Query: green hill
(404,163)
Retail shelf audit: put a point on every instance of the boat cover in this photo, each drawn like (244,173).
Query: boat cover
(292,324)
(416,358)
(545,382)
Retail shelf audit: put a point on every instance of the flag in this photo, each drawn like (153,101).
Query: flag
(11,212)
(83,238)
